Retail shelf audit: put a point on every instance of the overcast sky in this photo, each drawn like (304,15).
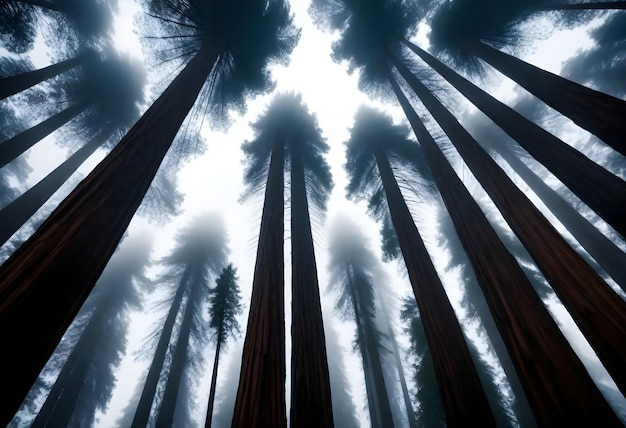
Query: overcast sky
(212,182)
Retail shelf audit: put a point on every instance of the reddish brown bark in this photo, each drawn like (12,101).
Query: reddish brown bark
(598,311)
(604,192)
(311,403)
(557,384)
(597,112)
(44,283)
(261,394)
(462,394)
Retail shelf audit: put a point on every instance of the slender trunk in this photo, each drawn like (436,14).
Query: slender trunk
(260,398)
(13,84)
(15,214)
(604,192)
(66,388)
(13,147)
(165,417)
(463,397)
(598,311)
(209,412)
(63,259)
(142,414)
(557,384)
(311,403)
(602,5)
(370,385)
(610,257)
(597,112)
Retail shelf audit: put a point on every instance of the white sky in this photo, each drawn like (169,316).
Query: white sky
(213,181)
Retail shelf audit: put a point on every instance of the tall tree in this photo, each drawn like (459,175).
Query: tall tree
(200,254)
(371,41)
(85,383)
(230,48)
(467,30)
(289,136)
(353,269)
(377,145)
(119,95)
(604,192)
(224,307)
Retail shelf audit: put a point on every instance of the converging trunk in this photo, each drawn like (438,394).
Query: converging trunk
(557,384)
(13,84)
(598,311)
(604,192)
(62,260)
(597,112)
(463,397)
(209,412)
(261,394)
(311,403)
(15,146)
(15,214)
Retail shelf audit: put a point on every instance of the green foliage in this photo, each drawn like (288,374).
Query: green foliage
(225,306)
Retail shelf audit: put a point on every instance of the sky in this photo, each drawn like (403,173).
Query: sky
(212,182)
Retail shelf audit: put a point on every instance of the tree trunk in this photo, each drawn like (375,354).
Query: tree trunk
(15,214)
(142,414)
(44,283)
(557,384)
(209,412)
(463,397)
(13,84)
(602,5)
(604,192)
(13,147)
(165,417)
(311,403)
(610,257)
(374,405)
(597,112)
(598,311)
(260,398)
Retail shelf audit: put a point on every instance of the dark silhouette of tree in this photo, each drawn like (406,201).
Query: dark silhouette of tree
(200,253)
(371,40)
(377,145)
(119,90)
(467,30)
(237,67)
(288,137)
(18,27)
(86,381)
(14,84)
(352,269)
(604,192)
(224,307)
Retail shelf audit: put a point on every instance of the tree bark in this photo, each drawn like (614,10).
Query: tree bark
(142,414)
(557,384)
(311,403)
(44,283)
(260,398)
(598,311)
(15,214)
(597,112)
(463,397)
(209,412)
(13,84)
(15,146)
(610,257)
(604,192)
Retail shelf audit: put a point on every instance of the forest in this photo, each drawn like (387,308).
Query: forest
(312,213)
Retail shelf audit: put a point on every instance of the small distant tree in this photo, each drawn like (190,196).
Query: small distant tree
(224,307)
